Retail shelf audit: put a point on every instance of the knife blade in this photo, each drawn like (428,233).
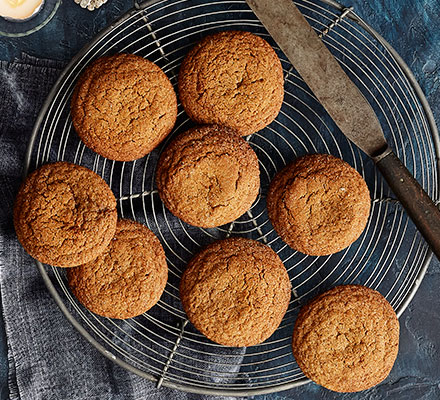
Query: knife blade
(347,106)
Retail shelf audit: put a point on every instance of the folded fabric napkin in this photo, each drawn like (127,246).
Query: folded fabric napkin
(47,357)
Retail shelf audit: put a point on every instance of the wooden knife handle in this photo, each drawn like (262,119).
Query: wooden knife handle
(417,203)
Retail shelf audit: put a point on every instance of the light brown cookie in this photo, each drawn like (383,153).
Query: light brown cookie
(208,176)
(234,79)
(347,338)
(127,279)
(235,291)
(319,204)
(64,214)
(123,106)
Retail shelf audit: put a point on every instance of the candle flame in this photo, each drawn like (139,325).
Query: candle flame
(15,3)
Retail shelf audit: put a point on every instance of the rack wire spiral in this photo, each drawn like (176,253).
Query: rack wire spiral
(390,256)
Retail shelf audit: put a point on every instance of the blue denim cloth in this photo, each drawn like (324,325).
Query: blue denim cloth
(23,87)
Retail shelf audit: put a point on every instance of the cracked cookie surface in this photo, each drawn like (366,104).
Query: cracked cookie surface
(347,338)
(208,176)
(235,291)
(319,204)
(64,214)
(127,279)
(123,106)
(232,78)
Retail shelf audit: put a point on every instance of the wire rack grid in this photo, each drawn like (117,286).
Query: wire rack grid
(390,256)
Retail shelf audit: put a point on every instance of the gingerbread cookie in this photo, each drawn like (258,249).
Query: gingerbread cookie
(123,106)
(127,279)
(64,214)
(347,338)
(319,204)
(208,176)
(234,79)
(236,291)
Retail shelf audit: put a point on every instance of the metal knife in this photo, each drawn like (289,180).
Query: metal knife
(347,106)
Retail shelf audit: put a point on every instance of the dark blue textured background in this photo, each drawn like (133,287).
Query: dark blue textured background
(413,29)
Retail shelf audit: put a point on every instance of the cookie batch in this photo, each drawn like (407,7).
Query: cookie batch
(235,291)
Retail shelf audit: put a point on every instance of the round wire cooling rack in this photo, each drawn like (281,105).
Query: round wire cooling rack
(390,256)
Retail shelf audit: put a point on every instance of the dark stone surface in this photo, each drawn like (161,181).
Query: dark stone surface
(412,28)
